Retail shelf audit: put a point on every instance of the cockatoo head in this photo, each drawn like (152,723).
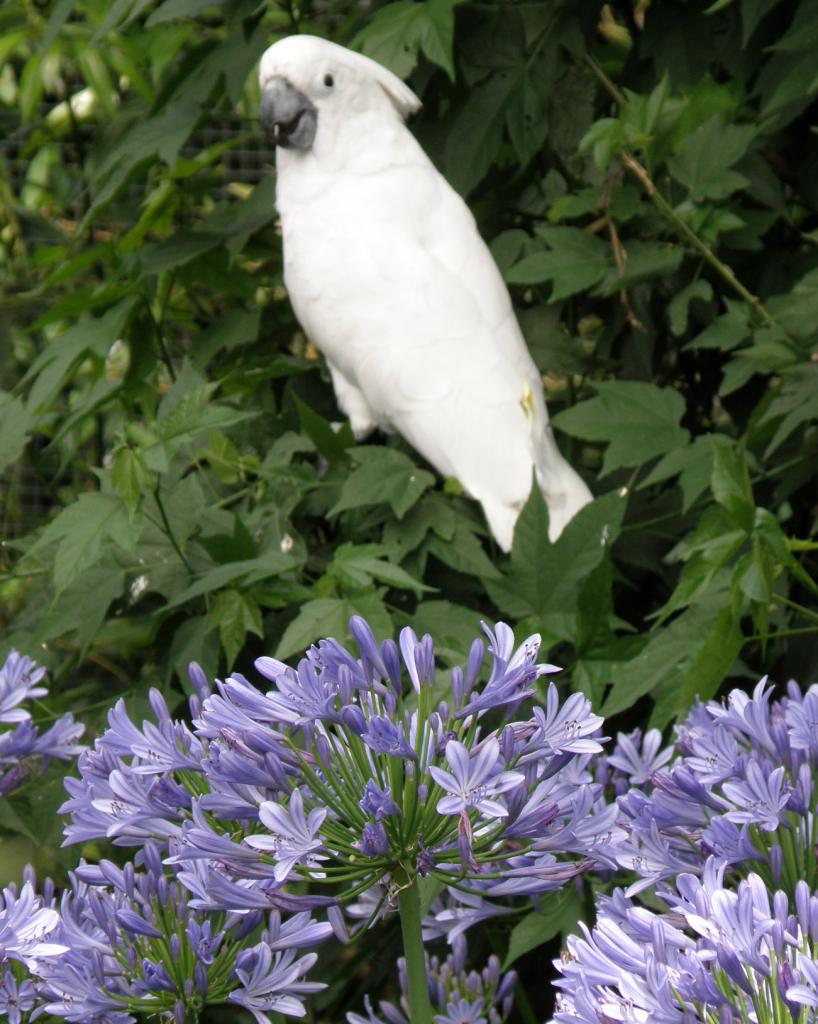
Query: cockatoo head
(308,83)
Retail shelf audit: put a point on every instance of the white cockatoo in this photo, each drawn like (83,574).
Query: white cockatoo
(390,279)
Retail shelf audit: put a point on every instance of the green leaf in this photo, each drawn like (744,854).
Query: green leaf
(704,160)
(398,31)
(701,674)
(606,137)
(357,565)
(431,514)
(693,464)
(674,659)
(725,332)
(171,9)
(678,309)
(235,615)
(130,477)
(463,552)
(730,482)
(795,404)
(247,571)
(559,913)
(15,424)
(796,311)
(382,475)
(49,369)
(452,626)
(81,608)
(575,260)
(642,261)
(545,577)
(326,616)
(474,139)
(187,416)
(84,532)
(332,444)
(641,421)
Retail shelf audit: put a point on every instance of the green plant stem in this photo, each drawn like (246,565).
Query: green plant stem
(640,173)
(722,269)
(169,531)
(420,1007)
(799,631)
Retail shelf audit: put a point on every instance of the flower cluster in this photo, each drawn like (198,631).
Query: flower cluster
(23,748)
(741,786)
(353,775)
(133,943)
(345,776)
(27,942)
(458,996)
(717,955)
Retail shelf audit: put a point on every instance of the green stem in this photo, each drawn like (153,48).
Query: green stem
(667,211)
(420,1007)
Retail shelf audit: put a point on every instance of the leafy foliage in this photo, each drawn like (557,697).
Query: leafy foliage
(173,483)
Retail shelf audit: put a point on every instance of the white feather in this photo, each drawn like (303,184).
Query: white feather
(390,278)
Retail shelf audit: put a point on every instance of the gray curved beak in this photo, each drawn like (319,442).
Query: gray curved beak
(287,116)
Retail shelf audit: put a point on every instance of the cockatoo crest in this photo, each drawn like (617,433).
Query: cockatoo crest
(309,63)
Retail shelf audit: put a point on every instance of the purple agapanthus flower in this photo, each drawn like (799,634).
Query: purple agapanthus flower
(25,750)
(738,786)
(292,839)
(474,782)
(720,954)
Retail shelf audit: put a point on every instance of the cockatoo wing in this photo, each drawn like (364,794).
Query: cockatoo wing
(411,310)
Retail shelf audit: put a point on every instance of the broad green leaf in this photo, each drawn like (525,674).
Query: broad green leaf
(452,627)
(381,475)
(177,250)
(642,261)
(357,565)
(236,327)
(247,571)
(796,311)
(431,514)
(606,137)
(573,262)
(678,309)
(725,332)
(558,913)
(171,9)
(326,616)
(730,482)
(130,477)
(673,659)
(545,577)
(795,404)
(713,651)
(693,464)
(704,161)
(399,31)
(185,420)
(332,444)
(641,421)
(235,615)
(474,138)
(81,608)
(84,532)
(193,640)
(49,369)
(15,423)
(463,552)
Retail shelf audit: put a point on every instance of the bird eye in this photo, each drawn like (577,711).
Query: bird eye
(329,81)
